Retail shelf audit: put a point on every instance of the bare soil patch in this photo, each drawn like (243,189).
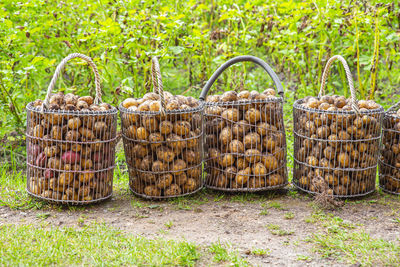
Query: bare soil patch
(245,223)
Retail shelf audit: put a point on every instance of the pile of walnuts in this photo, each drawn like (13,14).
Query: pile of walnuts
(163,150)
(245,140)
(389,167)
(336,144)
(70,154)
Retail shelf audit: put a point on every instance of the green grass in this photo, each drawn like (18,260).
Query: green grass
(277,230)
(260,252)
(95,245)
(288,215)
(12,190)
(223,254)
(349,243)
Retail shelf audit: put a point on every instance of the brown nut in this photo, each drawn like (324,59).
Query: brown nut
(226,160)
(253,155)
(252,115)
(252,140)
(231,114)
(259,169)
(165,154)
(164,181)
(173,190)
(182,128)
(270,162)
(151,190)
(166,127)
(225,136)
(235,146)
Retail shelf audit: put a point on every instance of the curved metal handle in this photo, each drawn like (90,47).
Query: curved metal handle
(234,60)
(349,80)
(157,82)
(394,107)
(60,67)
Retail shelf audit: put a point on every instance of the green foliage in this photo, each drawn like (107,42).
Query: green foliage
(193,38)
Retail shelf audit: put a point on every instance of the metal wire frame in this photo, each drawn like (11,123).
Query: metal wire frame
(340,146)
(164,161)
(85,176)
(231,169)
(389,160)
(271,168)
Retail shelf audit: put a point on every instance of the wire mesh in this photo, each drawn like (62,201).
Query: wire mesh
(164,152)
(389,161)
(339,146)
(245,144)
(70,154)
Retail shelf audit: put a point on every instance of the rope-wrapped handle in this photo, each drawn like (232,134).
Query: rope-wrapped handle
(234,60)
(60,67)
(325,75)
(157,82)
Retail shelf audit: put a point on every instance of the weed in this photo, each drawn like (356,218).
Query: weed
(303,257)
(222,254)
(260,252)
(276,230)
(288,215)
(169,224)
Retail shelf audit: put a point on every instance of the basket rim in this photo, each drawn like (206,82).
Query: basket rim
(297,105)
(199,108)
(392,114)
(274,99)
(30,107)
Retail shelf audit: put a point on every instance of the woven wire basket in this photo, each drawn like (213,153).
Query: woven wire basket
(245,140)
(336,150)
(70,154)
(163,149)
(389,160)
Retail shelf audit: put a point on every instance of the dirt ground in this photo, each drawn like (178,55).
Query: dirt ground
(240,223)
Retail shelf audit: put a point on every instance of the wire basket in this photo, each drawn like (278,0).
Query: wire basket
(245,140)
(336,150)
(70,154)
(163,148)
(389,160)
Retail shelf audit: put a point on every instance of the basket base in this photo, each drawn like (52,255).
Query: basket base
(247,189)
(388,191)
(337,196)
(68,202)
(164,197)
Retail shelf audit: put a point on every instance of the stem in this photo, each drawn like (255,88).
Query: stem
(14,111)
(375,59)
(358,60)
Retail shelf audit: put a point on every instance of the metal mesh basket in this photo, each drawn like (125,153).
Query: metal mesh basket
(70,154)
(163,149)
(336,150)
(245,140)
(389,161)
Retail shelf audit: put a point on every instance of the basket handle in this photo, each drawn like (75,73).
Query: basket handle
(394,107)
(157,82)
(325,75)
(60,67)
(234,60)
